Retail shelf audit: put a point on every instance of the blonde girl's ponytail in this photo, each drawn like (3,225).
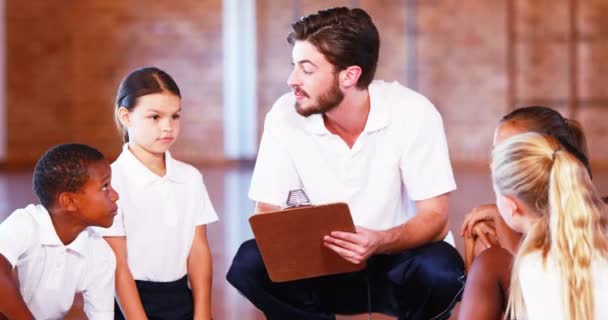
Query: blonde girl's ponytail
(571,224)
(578,231)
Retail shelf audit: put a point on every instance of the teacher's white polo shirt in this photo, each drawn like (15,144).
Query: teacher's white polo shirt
(51,273)
(158,215)
(400,157)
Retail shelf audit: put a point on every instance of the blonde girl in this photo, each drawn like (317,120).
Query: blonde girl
(561,267)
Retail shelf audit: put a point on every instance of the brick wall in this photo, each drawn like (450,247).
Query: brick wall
(66,58)
(474,59)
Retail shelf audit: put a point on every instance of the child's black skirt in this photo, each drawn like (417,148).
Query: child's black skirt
(164,300)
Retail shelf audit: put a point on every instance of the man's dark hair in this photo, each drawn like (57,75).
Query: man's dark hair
(63,168)
(346,37)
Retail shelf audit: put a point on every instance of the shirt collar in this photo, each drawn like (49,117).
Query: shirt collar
(144,176)
(49,237)
(315,124)
(173,172)
(377,119)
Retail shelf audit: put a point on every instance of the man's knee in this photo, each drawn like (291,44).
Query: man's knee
(247,265)
(437,266)
(429,281)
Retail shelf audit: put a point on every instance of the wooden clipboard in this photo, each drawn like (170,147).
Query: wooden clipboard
(291,241)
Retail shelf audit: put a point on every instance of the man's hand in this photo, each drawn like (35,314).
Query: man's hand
(354,247)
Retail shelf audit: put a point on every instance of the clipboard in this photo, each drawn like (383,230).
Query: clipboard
(291,241)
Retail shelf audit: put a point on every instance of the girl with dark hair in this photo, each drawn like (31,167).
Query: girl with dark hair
(159,235)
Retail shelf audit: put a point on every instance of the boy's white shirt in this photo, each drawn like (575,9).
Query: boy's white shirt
(51,273)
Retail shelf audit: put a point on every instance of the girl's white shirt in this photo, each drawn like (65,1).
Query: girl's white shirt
(158,215)
(542,292)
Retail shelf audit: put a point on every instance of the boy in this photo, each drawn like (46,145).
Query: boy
(52,246)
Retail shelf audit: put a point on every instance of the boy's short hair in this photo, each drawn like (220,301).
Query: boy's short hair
(63,168)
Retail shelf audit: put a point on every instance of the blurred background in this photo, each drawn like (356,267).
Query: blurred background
(474,59)
(62,61)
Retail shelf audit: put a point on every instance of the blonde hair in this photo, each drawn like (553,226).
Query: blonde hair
(572,224)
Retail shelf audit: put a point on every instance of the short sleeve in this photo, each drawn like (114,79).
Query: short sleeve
(274,174)
(205,213)
(17,235)
(98,291)
(425,164)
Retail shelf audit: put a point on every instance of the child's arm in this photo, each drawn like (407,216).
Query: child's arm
(126,291)
(12,305)
(199,273)
(18,233)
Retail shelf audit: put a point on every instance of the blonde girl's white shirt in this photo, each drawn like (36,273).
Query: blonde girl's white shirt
(51,273)
(542,292)
(158,215)
(400,157)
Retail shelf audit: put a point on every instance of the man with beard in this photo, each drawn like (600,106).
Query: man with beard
(375,145)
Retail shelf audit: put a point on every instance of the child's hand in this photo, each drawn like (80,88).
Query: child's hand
(485,232)
(486,212)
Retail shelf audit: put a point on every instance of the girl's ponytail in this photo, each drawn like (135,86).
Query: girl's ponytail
(571,218)
(577,231)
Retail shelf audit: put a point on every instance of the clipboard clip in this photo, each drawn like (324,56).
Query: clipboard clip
(297,198)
